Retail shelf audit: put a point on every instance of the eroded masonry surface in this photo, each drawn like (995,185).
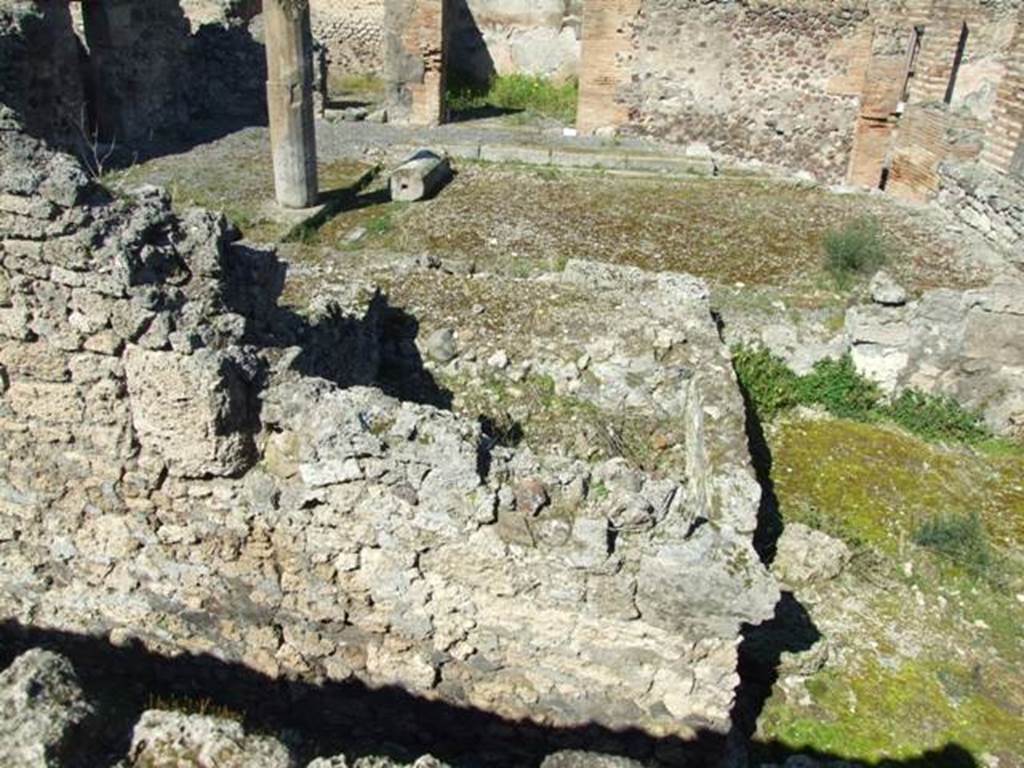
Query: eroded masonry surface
(590,458)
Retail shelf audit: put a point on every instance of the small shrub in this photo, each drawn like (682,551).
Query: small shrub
(856,249)
(766,380)
(835,385)
(937,418)
(961,538)
(839,389)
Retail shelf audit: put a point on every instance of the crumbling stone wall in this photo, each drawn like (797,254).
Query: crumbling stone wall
(749,80)
(135,55)
(352,32)
(987,202)
(41,64)
(186,465)
(130,72)
(488,37)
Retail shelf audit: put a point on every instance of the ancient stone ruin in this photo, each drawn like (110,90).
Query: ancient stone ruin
(206,489)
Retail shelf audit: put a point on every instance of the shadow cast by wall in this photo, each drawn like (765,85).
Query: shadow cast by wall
(350,717)
(469,59)
(362,342)
(138,85)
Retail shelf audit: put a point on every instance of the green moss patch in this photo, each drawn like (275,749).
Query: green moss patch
(881,713)
(876,485)
(931,649)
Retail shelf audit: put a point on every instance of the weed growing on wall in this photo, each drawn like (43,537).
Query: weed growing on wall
(835,385)
(856,249)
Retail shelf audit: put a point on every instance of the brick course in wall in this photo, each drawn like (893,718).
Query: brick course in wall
(807,85)
(1004,140)
(607,25)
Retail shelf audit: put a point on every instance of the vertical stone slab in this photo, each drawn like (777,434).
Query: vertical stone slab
(290,101)
(416,36)
(604,66)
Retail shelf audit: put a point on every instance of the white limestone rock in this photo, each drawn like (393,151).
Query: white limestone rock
(192,410)
(171,739)
(804,555)
(42,702)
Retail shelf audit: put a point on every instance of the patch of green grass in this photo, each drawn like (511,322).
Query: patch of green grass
(836,386)
(364,84)
(959,537)
(856,249)
(879,713)
(531,94)
(766,380)
(937,418)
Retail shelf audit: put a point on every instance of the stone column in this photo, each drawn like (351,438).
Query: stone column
(290,101)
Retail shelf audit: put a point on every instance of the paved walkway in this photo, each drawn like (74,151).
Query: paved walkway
(494,142)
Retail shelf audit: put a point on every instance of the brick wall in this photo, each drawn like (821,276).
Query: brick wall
(1004,147)
(806,84)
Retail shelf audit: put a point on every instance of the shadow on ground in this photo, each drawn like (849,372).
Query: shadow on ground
(349,717)
(364,341)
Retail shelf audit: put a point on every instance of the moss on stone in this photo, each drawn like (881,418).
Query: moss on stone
(931,655)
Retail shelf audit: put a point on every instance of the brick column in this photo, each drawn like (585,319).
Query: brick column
(416,36)
(604,68)
(290,101)
(1004,140)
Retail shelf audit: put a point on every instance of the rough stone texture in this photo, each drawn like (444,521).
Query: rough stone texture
(886,291)
(488,36)
(192,410)
(352,32)
(42,704)
(988,203)
(967,344)
(135,51)
(375,534)
(171,739)
(804,555)
(125,70)
(805,85)
(573,759)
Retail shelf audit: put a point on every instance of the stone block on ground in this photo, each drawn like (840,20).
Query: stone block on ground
(42,702)
(804,555)
(171,739)
(419,177)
